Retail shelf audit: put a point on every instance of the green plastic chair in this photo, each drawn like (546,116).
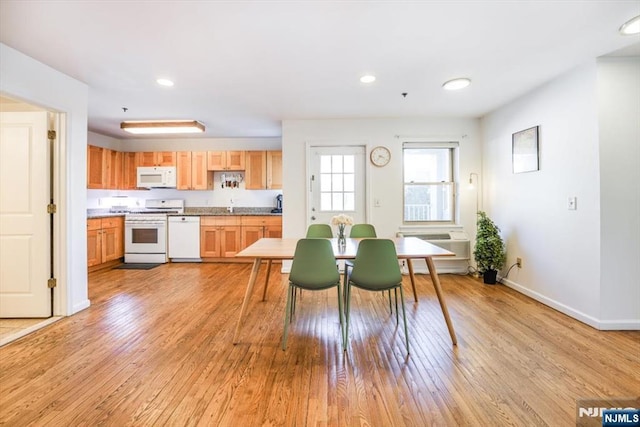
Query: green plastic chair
(319,231)
(359,231)
(376,269)
(362,230)
(313,269)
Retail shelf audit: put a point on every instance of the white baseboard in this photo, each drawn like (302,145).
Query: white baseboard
(620,325)
(22,332)
(80,306)
(605,325)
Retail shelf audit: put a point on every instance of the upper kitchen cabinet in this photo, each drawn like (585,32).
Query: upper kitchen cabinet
(113,169)
(96,167)
(156,158)
(129,171)
(225,160)
(192,171)
(104,168)
(263,170)
(274,170)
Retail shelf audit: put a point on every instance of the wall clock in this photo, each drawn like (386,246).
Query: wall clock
(380,156)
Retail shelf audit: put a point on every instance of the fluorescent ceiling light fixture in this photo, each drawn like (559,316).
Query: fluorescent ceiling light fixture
(630,27)
(368,78)
(456,84)
(149,127)
(164,82)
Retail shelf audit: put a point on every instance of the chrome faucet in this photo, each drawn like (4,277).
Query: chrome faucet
(230,207)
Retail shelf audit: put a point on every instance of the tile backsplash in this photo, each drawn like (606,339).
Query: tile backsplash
(219,197)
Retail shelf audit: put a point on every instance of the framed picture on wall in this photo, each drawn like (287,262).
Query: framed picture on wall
(525,150)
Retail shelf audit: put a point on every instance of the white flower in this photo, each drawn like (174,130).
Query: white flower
(342,219)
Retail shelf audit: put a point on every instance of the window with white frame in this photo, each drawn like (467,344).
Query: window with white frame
(337,182)
(429,186)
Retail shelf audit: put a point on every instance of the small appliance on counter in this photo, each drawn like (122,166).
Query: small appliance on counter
(278,208)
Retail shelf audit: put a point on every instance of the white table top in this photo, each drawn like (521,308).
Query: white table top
(406,247)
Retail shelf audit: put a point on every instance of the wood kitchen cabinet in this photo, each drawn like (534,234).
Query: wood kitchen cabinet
(104,168)
(183,170)
(274,170)
(129,171)
(219,236)
(263,170)
(113,169)
(225,160)
(105,241)
(156,158)
(257,227)
(96,167)
(192,171)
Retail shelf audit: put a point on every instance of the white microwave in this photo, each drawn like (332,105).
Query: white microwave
(157,176)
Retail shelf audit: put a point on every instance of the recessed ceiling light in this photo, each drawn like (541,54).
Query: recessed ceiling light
(630,27)
(165,82)
(368,78)
(456,84)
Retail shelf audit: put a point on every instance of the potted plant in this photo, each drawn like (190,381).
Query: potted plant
(489,252)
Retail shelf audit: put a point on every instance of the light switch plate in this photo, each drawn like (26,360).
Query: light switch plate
(572,203)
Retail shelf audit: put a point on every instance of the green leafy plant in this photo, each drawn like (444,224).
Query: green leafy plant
(489,252)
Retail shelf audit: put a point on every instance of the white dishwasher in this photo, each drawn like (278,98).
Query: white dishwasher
(184,239)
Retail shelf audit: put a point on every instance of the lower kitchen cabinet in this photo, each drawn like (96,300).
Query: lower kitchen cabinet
(225,236)
(105,240)
(219,236)
(257,227)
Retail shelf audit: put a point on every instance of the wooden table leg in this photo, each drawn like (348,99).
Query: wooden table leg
(247,295)
(413,279)
(443,304)
(266,280)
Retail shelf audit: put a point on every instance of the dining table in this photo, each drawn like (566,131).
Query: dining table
(407,248)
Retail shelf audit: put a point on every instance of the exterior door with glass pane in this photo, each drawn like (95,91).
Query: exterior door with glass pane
(336,184)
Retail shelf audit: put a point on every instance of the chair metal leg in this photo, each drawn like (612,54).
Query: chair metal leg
(404,316)
(340,313)
(347,316)
(395,296)
(287,317)
(295,300)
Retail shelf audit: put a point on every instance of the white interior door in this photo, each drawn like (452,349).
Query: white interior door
(336,183)
(25,227)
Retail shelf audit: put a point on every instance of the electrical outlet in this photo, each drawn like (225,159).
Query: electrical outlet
(519,262)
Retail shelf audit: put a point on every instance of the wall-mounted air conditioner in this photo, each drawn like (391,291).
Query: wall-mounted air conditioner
(456,241)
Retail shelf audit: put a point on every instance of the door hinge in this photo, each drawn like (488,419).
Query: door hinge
(51,208)
(51,134)
(52,283)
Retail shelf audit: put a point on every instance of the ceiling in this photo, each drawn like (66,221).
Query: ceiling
(241,67)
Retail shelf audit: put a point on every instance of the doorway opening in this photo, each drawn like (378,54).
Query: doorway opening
(28,142)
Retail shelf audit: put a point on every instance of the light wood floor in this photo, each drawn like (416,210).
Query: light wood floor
(155,348)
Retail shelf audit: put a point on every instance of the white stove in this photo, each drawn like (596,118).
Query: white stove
(145,231)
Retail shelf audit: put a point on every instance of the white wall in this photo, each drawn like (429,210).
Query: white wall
(36,83)
(384,183)
(561,249)
(218,197)
(619,114)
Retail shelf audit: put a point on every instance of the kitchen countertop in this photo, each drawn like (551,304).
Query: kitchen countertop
(194,211)
(102,213)
(218,211)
